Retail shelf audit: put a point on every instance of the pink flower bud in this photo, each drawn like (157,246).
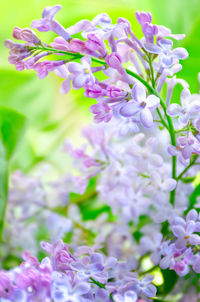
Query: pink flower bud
(17,33)
(113,60)
(29,36)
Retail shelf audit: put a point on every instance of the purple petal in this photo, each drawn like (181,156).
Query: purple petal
(146,118)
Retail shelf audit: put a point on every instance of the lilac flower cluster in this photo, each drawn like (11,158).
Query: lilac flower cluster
(62,276)
(132,154)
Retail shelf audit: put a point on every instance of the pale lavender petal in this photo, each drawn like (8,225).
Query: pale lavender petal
(118,298)
(79,26)
(50,11)
(194,239)
(165,262)
(146,118)
(139,93)
(129,109)
(166,44)
(180,243)
(150,290)
(197,229)
(153,102)
(194,107)
(79,81)
(180,53)
(74,67)
(81,288)
(192,215)
(97,258)
(130,296)
(187,152)
(174,109)
(152,48)
(65,86)
(191,226)
(148,279)
(196,266)
(172,150)
(166,60)
(178,231)
(155,258)
(156,160)
(62,72)
(184,119)
(110,262)
(169,184)
(155,178)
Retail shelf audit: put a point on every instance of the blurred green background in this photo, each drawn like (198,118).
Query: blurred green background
(53,117)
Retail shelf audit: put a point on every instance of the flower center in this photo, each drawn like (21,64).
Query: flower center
(143,104)
(86,70)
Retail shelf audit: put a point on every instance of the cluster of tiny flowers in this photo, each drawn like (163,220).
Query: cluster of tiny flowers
(131,153)
(84,276)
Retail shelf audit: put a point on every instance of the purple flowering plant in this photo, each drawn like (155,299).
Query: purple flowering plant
(126,215)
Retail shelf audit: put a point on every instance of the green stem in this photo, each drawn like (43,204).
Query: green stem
(170,129)
(192,162)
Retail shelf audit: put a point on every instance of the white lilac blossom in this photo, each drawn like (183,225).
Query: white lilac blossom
(139,198)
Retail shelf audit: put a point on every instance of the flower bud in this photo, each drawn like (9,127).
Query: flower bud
(113,60)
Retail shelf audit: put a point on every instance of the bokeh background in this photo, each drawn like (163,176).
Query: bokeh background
(52,117)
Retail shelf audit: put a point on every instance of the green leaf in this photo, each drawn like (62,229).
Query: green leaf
(11,128)
(170,278)
(193,199)
(3,186)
